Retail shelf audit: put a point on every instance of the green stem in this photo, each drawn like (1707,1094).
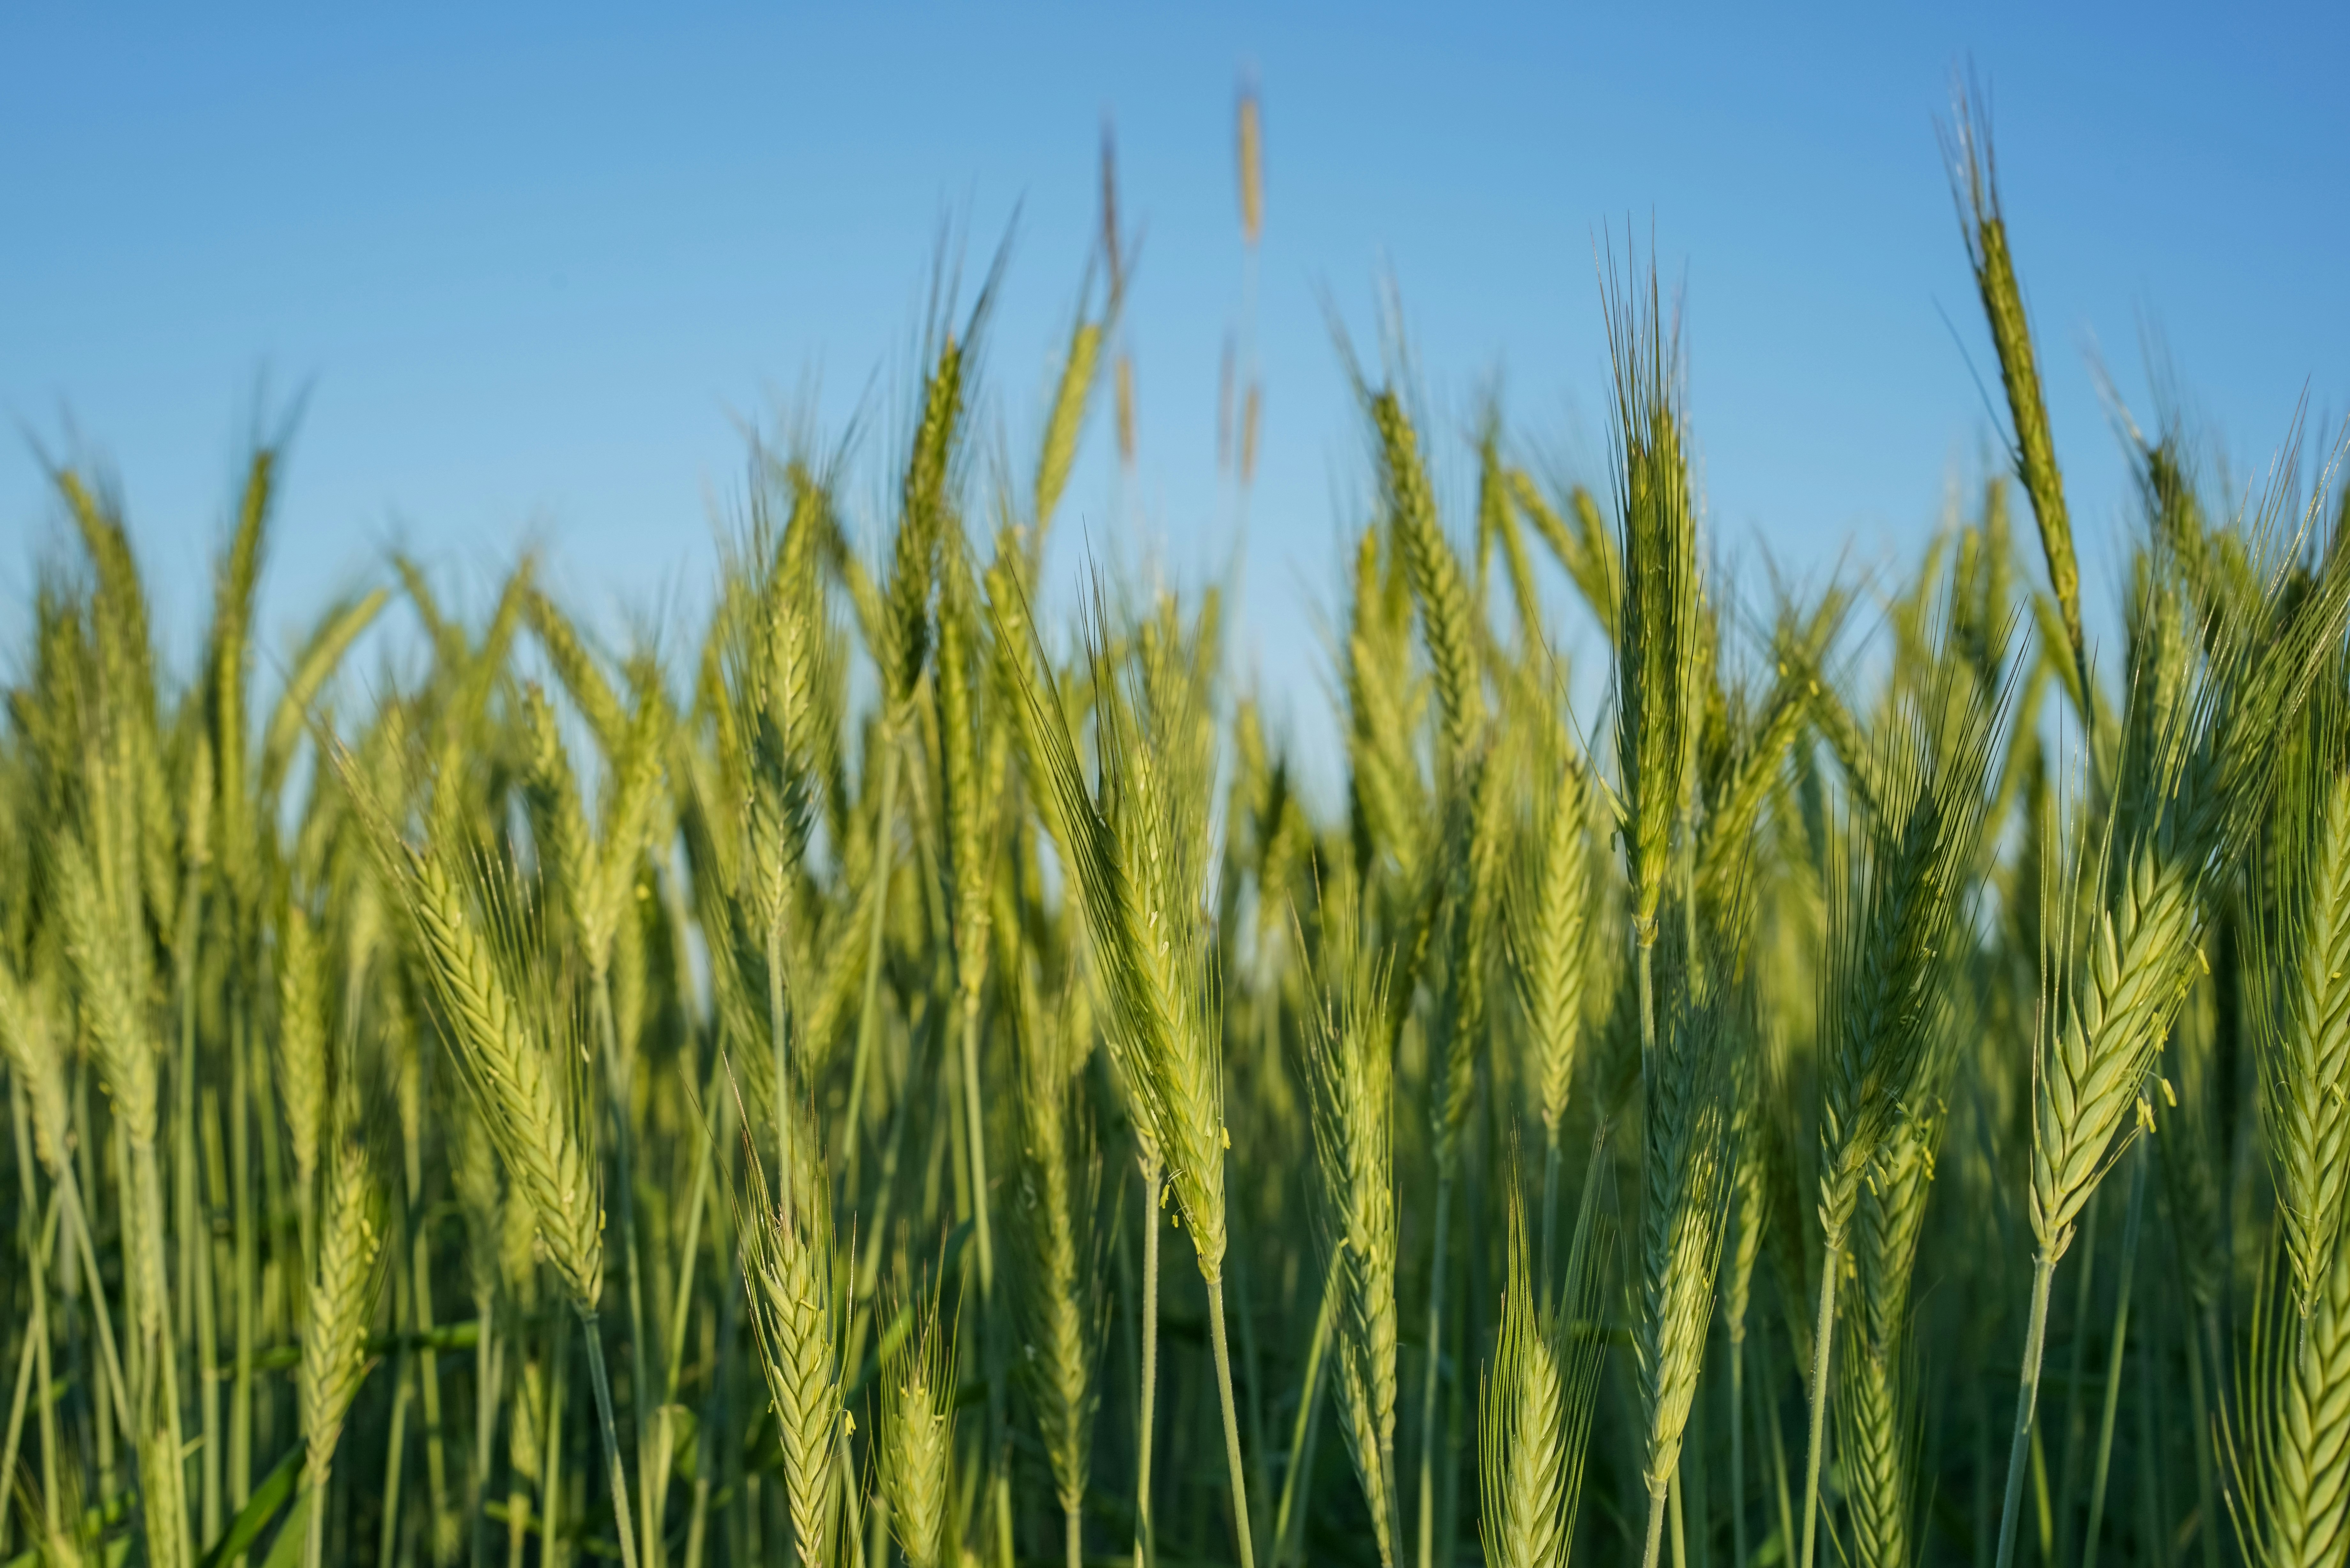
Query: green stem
(207,1340)
(779,1049)
(1146,1546)
(34,1353)
(1309,1406)
(975,1141)
(1231,1421)
(165,1370)
(1429,1433)
(868,1015)
(1738,1446)
(248,1257)
(486,1425)
(110,1357)
(1694,1481)
(1648,999)
(313,1536)
(396,1445)
(1823,1346)
(194,1299)
(868,1269)
(2198,1404)
(2114,1365)
(617,1077)
(705,1157)
(2027,1395)
(1766,1416)
(612,1466)
(1676,1502)
(1549,1206)
(550,1482)
(1657,1508)
(2076,1374)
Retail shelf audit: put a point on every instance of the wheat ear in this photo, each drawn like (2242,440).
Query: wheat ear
(1548,925)
(2200,733)
(1352,1079)
(1687,1158)
(1137,861)
(1535,1416)
(2292,1501)
(917,1463)
(1894,918)
(1059,1284)
(1660,630)
(789,1268)
(2301,993)
(342,1299)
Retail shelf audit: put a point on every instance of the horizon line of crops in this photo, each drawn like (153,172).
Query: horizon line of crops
(540,1102)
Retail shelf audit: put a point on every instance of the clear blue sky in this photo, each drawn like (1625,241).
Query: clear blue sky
(535,268)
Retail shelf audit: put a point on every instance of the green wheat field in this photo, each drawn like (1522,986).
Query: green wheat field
(913,1079)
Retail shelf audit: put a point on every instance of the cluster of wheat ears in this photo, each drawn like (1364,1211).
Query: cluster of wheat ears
(534,1101)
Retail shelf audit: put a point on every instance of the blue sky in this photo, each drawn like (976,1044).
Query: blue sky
(536,267)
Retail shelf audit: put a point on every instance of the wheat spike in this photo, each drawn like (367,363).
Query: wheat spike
(1974,183)
(2188,798)
(1686,1164)
(1436,577)
(1538,1398)
(1522,1469)
(513,1057)
(1352,1078)
(922,518)
(576,669)
(788,1258)
(302,1038)
(342,1298)
(1057,454)
(1548,926)
(918,1395)
(1136,865)
(1877,1414)
(1059,1282)
(1388,791)
(30,1039)
(1894,922)
(1660,621)
(1249,145)
(2294,1510)
(2301,994)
